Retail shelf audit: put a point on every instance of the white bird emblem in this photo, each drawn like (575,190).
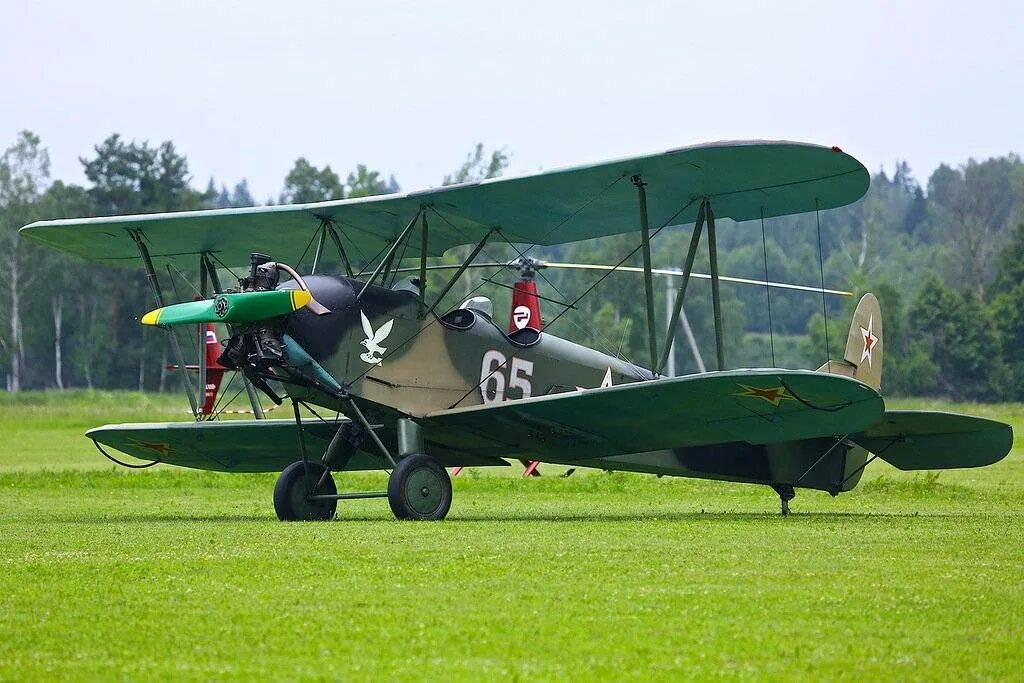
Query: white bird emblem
(373,340)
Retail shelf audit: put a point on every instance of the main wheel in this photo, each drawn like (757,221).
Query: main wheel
(419,488)
(291,501)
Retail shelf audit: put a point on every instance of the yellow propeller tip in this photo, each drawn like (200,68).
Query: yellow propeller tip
(300,298)
(152,318)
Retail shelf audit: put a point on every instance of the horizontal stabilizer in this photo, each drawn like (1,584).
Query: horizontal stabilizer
(928,440)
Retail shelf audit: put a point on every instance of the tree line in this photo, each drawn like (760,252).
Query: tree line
(945,258)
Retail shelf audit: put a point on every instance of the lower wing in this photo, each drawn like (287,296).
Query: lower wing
(245,445)
(752,406)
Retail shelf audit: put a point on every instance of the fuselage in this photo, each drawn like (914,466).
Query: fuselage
(383,349)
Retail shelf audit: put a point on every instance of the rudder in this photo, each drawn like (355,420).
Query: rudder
(862,359)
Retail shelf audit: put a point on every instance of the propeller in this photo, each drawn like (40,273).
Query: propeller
(241,307)
(258,300)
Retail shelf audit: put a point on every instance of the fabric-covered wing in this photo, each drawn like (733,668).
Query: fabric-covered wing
(742,179)
(243,445)
(929,440)
(753,406)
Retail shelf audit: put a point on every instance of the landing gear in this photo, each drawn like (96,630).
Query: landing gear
(786,494)
(295,491)
(419,488)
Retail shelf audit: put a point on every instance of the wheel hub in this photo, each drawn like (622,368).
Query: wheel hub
(423,481)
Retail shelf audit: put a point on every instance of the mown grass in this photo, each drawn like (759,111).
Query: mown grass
(169,573)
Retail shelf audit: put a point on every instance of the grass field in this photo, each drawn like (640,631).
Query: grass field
(169,573)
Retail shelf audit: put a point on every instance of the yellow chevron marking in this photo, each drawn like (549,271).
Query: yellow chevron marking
(300,298)
(153,317)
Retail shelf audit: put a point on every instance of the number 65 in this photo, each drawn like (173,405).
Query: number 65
(494,369)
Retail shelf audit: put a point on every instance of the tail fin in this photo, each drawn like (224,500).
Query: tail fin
(863,357)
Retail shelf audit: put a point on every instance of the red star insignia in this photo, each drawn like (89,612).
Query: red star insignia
(870,340)
(159,448)
(774,395)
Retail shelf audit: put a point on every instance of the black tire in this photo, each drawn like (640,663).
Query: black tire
(290,499)
(420,489)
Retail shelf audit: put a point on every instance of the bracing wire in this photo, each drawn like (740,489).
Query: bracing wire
(177,297)
(611,349)
(623,261)
(308,245)
(588,290)
(398,262)
(222,264)
(767,289)
(220,406)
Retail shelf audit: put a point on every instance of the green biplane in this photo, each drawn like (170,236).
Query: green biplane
(414,390)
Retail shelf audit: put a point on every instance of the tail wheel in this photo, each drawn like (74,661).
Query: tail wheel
(292,493)
(419,488)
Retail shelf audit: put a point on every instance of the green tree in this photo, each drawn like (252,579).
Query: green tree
(24,173)
(306,183)
(222,199)
(136,178)
(61,286)
(479,166)
(1007,309)
(972,209)
(961,342)
(363,182)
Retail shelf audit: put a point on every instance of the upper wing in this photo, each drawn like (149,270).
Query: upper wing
(753,406)
(744,180)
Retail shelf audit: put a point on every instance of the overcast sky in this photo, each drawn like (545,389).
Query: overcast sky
(244,88)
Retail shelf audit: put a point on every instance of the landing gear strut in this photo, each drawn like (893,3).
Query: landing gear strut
(418,488)
(786,494)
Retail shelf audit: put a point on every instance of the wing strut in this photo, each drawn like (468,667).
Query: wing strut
(458,273)
(691,254)
(705,216)
(154,284)
(423,266)
(201,333)
(385,262)
(319,253)
(329,227)
(645,248)
(716,301)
